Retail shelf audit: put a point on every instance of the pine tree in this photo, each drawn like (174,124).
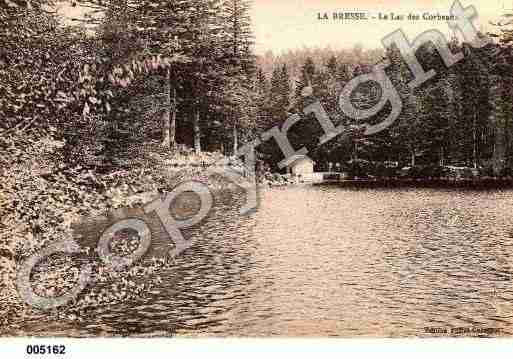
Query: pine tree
(263,103)
(332,66)
(239,66)
(308,72)
(409,131)
(501,65)
(280,94)
(238,37)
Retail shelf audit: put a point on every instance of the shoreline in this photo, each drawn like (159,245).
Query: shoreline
(471,184)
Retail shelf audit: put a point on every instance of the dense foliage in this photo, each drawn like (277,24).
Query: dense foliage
(94,112)
(80,108)
(461,117)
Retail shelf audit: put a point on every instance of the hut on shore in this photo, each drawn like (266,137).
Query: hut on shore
(301,167)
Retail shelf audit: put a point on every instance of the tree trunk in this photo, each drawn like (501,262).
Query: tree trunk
(166,123)
(235,140)
(197,132)
(172,127)
(499,150)
(412,160)
(498,116)
(474,139)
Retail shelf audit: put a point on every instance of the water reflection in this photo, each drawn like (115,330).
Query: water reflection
(325,261)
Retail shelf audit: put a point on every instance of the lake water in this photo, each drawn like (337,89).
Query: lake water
(327,261)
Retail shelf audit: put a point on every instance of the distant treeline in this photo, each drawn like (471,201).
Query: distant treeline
(462,116)
(184,73)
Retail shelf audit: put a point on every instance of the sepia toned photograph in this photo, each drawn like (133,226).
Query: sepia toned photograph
(255,169)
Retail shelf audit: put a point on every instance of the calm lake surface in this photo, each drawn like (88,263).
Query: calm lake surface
(327,261)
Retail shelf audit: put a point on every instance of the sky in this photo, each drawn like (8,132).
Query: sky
(280,25)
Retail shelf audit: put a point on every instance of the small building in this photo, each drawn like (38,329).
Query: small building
(301,167)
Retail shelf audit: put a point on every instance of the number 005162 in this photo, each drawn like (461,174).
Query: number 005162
(46,349)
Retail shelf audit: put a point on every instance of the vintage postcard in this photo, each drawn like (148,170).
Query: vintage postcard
(265,168)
